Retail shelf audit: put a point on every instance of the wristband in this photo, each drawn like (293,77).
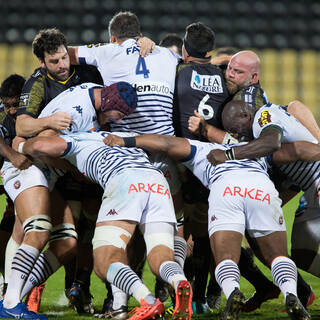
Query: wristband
(20,147)
(129,142)
(229,139)
(230,154)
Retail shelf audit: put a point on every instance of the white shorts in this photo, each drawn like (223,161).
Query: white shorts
(137,195)
(16,181)
(245,201)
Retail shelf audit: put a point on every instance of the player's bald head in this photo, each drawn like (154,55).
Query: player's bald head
(248,59)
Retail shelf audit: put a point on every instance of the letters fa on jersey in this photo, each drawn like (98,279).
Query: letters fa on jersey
(206,83)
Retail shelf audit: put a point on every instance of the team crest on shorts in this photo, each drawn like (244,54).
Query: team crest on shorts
(17,184)
(281,220)
(213,218)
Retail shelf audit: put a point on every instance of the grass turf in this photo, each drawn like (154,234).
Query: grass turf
(55,304)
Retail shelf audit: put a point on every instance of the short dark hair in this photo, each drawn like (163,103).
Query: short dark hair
(200,37)
(48,40)
(12,86)
(124,25)
(172,39)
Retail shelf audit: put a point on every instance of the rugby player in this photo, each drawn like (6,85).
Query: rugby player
(230,193)
(153,77)
(129,181)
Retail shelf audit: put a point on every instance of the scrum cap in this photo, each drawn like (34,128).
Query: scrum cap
(119,96)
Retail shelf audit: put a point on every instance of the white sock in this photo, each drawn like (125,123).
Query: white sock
(123,277)
(11,249)
(46,264)
(21,267)
(228,276)
(172,273)
(284,274)
(180,250)
(120,298)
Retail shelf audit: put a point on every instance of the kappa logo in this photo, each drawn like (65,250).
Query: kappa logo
(265,118)
(112,212)
(78,109)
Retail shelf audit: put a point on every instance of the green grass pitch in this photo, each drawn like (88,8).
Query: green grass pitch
(55,305)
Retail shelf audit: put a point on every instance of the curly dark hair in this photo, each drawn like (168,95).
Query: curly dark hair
(48,40)
(12,86)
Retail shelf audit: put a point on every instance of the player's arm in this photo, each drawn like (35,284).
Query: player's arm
(301,112)
(38,147)
(199,126)
(268,142)
(73,55)
(18,160)
(27,126)
(298,150)
(177,148)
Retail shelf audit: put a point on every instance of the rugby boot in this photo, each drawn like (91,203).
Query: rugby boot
(20,311)
(234,305)
(33,299)
(183,308)
(260,297)
(147,311)
(295,309)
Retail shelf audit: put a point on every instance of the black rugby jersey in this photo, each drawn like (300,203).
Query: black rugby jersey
(9,123)
(200,87)
(253,95)
(40,88)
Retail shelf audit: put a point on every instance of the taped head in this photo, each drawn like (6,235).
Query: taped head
(120,96)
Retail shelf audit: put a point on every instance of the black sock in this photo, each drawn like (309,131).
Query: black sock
(251,272)
(201,261)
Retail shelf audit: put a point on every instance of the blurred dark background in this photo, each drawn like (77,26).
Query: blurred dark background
(286,34)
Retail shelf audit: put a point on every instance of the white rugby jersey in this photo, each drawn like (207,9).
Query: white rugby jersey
(303,174)
(79,103)
(100,162)
(207,173)
(153,77)
(276,116)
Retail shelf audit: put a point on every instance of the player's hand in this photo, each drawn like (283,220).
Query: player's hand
(60,121)
(20,161)
(112,140)
(196,123)
(146,46)
(216,157)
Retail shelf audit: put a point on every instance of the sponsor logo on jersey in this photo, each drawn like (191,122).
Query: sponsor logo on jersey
(153,188)
(207,83)
(265,118)
(151,87)
(24,100)
(254,194)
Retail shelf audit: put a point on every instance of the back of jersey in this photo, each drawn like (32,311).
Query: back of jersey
(153,78)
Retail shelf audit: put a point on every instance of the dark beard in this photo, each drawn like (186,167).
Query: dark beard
(232,87)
